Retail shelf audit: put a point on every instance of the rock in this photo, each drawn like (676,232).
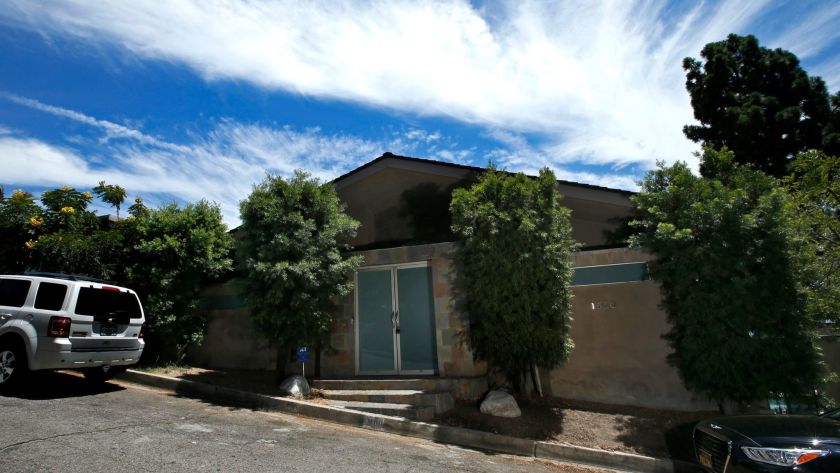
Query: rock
(500,404)
(295,386)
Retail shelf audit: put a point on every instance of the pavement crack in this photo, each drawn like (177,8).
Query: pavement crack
(85,432)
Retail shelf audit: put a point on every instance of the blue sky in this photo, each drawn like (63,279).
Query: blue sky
(183,100)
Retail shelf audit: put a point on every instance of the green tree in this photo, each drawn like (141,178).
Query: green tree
(110,194)
(727,255)
(290,255)
(759,103)
(171,254)
(71,239)
(20,222)
(515,250)
(814,187)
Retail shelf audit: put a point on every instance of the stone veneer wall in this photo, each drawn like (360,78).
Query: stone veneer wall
(619,356)
(454,357)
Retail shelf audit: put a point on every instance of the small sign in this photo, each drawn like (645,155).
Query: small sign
(303,354)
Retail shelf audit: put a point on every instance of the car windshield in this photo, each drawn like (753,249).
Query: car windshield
(834,415)
(104,303)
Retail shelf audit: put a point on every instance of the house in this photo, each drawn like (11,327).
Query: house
(402,318)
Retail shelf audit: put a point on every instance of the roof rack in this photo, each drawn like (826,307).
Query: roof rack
(69,277)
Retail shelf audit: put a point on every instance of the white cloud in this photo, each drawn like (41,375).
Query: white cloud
(112,130)
(601,82)
(221,166)
(810,36)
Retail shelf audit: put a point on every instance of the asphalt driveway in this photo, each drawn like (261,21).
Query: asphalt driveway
(59,423)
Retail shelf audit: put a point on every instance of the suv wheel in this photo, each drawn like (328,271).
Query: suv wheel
(12,363)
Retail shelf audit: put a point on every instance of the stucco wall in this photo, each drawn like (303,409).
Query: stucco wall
(230,341)
(619,356)
(375,202)
(375,199)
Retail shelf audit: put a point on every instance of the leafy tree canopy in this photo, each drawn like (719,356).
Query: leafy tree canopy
(110,194)
(727,256)
(814,187)
(20,218)
(167,255)
(290,254)
(516,257)
(171,254)
(760,104)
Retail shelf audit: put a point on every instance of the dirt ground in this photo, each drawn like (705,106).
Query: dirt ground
(652,432)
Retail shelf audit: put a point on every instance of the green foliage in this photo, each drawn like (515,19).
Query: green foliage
(728,260)
(71,239)
(167,255)
(516,250)
(172,253)
(138,208)
(814,187)
(289,250)
(110,194)
(760,104)
(20,218)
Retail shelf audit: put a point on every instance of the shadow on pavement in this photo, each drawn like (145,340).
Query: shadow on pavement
(56,385)
(660,436)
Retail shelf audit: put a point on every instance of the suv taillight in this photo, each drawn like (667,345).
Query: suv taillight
(142,331)
(59,327)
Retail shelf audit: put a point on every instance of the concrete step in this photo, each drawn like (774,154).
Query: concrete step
(421,413)
(441,401)
(421,384)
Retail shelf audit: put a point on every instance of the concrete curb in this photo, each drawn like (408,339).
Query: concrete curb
(396,425)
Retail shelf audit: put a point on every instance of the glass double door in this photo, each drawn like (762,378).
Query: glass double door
(395,320)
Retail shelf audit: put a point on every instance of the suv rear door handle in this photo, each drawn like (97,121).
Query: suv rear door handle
(5,316)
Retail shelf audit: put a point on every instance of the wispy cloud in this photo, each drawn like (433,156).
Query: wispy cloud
(596,81)
(220,166)
(223,165)
(111,130)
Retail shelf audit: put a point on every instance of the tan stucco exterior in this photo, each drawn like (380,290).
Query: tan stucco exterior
(619,355)
(374,195)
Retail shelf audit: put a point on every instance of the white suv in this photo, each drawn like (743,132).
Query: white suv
(55,321)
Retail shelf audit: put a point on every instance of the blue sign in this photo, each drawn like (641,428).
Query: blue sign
(303,354)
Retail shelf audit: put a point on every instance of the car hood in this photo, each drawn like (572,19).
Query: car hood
(761,428)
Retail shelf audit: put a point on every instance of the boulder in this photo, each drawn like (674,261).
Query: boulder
(500,404)
(295,386)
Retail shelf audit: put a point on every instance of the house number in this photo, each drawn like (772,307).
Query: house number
(605,305)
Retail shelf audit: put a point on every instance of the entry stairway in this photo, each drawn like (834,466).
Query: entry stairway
(415,399)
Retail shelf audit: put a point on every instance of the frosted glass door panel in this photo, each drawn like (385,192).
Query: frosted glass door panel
(416,320)
(376,330)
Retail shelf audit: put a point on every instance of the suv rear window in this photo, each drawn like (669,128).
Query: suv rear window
(13,292)
(102,303)
(50,296)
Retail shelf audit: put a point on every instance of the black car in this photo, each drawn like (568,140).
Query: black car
(769,443)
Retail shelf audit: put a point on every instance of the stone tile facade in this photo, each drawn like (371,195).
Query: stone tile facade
(454,357)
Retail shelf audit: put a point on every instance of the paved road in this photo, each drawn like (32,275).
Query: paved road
(61,424)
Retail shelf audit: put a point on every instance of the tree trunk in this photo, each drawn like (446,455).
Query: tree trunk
(535,376)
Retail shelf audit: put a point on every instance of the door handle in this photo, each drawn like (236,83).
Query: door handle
(397,325)
(5,316)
